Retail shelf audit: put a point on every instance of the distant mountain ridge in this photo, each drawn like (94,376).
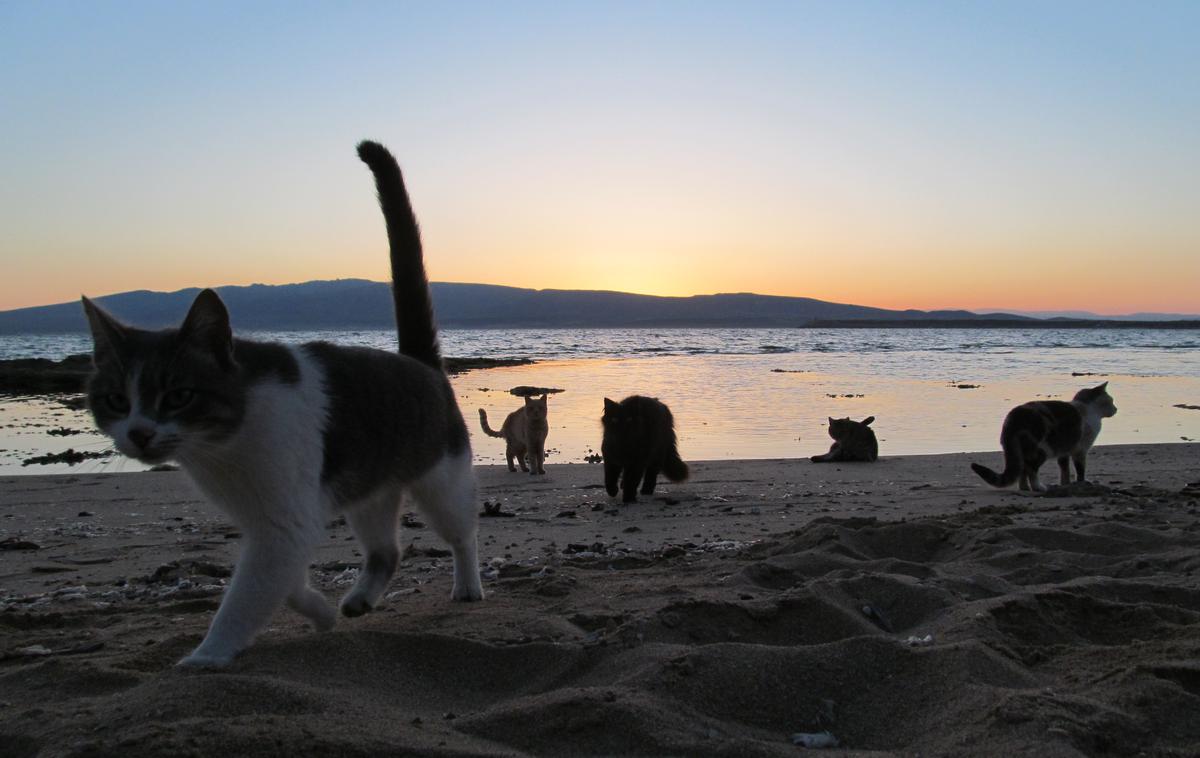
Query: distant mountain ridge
(1140,316)
(362,304)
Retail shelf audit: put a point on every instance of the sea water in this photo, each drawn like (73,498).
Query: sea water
(747,393)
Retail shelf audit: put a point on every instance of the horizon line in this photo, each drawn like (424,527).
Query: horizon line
(975,310)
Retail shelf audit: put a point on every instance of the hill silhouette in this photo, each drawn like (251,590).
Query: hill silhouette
(362,304)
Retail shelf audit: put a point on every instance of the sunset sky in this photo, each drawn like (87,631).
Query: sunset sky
(1034,155)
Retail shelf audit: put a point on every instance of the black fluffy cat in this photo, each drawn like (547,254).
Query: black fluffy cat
(639,443)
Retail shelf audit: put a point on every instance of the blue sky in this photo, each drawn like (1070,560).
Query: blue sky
(1016,154)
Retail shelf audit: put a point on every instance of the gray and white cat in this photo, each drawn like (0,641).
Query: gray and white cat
(280,437)
(1037,431)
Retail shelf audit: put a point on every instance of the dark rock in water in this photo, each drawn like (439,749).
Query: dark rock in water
(70,456)
(38,376)
(527,391)
(463,365)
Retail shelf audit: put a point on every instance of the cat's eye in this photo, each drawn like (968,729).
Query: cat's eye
(117,403)
(177,399)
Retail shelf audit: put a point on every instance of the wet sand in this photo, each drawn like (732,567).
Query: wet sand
(902,607)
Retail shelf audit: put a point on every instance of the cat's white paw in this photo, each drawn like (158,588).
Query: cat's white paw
(468,594)
(200,659)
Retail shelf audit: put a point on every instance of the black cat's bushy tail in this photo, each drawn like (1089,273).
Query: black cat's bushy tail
(410,287)
(673,466)
(1013,463)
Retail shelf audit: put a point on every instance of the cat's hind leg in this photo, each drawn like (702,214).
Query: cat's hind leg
(374,524)
(1080,466)
(829,457)
(446,495)
(1035,483)
(1023,484)
(311,604)
(1064,471)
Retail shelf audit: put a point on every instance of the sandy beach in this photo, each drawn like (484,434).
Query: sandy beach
(903,607)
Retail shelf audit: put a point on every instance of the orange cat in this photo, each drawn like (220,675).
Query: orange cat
(524,432)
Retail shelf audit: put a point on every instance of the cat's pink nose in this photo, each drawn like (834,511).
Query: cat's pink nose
(140,436)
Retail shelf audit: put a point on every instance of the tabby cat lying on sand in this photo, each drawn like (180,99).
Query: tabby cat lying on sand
(1044,429)
(852,441)
(639,442)
(279,436)
(524,432)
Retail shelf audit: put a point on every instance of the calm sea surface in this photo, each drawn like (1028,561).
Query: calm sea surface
(749,393)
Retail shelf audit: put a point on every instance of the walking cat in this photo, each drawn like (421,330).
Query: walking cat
(1043,429)
(279,436)
(639,442)
(852,441)
(524,432)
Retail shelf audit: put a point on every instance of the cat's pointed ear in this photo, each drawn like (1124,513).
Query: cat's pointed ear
(1103,387)
(109,336)
(609,405)
(207,325)
(867,421)
(529,400)
(831,420)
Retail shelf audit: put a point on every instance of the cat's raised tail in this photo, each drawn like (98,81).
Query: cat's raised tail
(1013,464)
(484,423)
(410,288)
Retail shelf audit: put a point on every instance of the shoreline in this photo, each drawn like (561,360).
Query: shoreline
(24,377)
(717,618)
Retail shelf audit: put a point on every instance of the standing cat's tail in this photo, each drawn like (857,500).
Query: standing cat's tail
(1013,464)
(410,287)
(673,467)
(487,429)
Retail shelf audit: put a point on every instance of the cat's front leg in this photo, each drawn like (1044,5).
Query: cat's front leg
(271,568)
(612,475)
(629,485)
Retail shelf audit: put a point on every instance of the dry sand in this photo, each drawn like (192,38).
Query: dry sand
(902,606)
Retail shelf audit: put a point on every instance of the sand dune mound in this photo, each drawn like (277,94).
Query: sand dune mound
(1049,627)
